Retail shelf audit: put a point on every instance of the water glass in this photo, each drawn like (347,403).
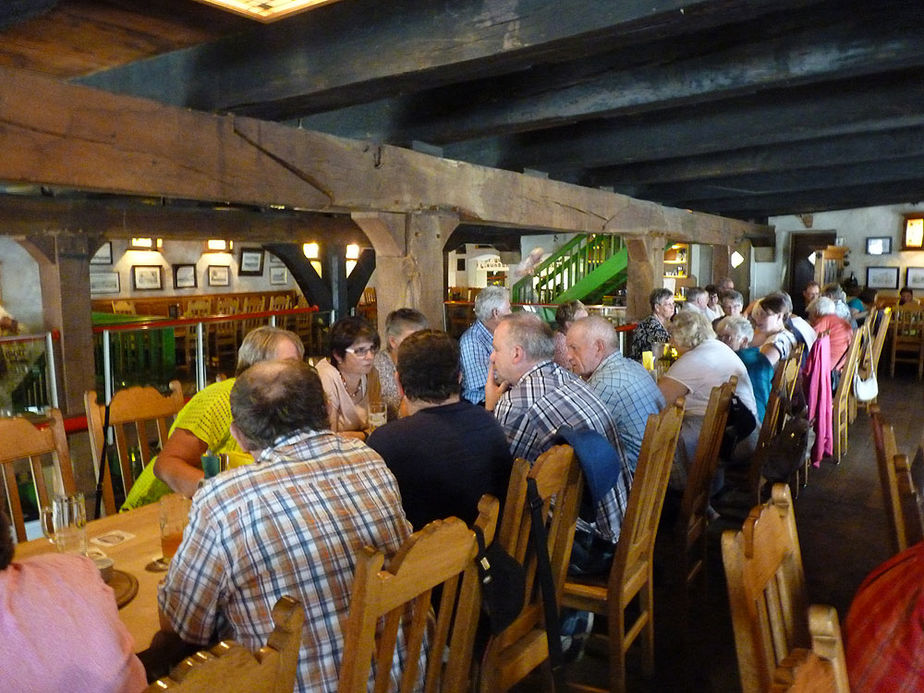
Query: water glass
(65,523)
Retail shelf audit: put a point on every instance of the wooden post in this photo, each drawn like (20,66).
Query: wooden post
(721,263)
(645,272)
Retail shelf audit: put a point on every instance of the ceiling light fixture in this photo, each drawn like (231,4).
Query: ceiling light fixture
(266,10)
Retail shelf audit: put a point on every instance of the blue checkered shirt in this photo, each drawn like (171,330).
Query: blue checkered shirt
(291,524)
(475,347)
(631,396)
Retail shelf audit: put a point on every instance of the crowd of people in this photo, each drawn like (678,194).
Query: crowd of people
(324,483)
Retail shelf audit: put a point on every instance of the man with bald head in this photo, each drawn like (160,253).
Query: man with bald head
(629,392)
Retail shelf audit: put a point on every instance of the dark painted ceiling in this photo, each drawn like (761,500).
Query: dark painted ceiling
(741,108)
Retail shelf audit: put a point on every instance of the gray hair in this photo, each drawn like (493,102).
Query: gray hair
(690,328)
(489,299)
(735,327)
(732,295)
(530,333)
(261,343)
(404,319)
(658,295)
(598,327)
(695,292)
(834,292)
(821,306)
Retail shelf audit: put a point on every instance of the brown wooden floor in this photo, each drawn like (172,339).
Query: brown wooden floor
(843,536)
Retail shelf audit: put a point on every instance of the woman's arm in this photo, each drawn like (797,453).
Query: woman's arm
(179,464)
(671,389)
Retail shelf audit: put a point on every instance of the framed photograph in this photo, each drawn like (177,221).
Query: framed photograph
(278,275)
(103,256)
(273,260)
(147,277)
(251,262)
(878,245)
(104,283)
(914,277)
(219,275)
(184,277)
(882,277)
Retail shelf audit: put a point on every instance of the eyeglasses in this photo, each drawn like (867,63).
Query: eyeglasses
(362,352)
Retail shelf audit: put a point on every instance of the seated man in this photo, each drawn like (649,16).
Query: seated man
(698,300)
(291,524)
(491,304)
(59,626)
(447,452)
(626,388)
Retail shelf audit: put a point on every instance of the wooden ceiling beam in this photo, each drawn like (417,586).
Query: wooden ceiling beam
(72,136)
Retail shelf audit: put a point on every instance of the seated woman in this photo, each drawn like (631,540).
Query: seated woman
(770,333)
(653,329)
(399,324)
(823,316)
(204,423)
(704,363)
(736,331)
(348,377)
(565,314)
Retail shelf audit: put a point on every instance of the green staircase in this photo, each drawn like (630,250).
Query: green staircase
(585,268)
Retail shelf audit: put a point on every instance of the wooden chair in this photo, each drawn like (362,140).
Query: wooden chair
(694,519)
(821,669)
(132,413)
(631,574)
(523,646)
(908,337)
(252,304)
(123,307)
(22,440)
(840,402)
(196,308)
(231,667)
(879,329)
(766,589)
(399,590)
(909,497)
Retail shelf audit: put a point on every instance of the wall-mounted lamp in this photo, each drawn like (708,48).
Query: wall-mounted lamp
(913,233)
(311,250)
(218,245)
(145,243)
(736,258)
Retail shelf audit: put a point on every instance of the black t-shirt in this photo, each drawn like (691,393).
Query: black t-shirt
(444,459)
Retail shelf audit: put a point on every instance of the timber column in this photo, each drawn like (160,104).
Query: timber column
(408,261)
(645,272)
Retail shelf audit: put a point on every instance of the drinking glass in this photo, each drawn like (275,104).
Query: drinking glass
(67,528)
(174,516)
(377,415)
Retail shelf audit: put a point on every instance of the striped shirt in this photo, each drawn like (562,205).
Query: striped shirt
(475,347)
(290,524)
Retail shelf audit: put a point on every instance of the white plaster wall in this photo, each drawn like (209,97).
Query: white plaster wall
(20,286)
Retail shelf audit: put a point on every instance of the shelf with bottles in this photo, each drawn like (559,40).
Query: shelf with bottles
(676,261)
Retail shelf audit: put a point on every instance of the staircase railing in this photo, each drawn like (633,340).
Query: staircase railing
(566,267)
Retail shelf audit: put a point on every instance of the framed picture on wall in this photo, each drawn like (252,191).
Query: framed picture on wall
(219,275)
(103,256)
(914,277)
(273,260)
(878,245)
(104,283)
(147,277)
(251,262)
(184,277)
(882,277)
(278,275)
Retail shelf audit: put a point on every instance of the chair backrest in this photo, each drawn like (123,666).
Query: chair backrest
(822,669)
(227,305)
(231,667)
(399,590)
(20,439)
(198,308)
(693,517)
(766,589)
(123,307)
(558,475)
(886,450)
(880,328)
(911,513)
(135,414)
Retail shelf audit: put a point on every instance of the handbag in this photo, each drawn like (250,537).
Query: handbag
(865,390)
(503,584)
(786,451)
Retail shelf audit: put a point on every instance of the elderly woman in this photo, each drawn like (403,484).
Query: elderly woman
(736,331)
(348,377)
(841,309)
(565,315)
(704,363)
(204,423)
(653,329)
(399,324)
(823,316)
(770,333)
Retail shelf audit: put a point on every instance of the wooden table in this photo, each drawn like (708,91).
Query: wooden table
(131,556)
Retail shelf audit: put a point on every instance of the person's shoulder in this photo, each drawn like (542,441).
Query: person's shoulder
(77,568)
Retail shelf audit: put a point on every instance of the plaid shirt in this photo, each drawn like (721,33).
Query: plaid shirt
(631,396)
(475,347)
(290,524)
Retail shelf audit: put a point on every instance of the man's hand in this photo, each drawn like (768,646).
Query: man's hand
(493,391)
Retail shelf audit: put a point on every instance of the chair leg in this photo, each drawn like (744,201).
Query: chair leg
(646,602)
(617,637)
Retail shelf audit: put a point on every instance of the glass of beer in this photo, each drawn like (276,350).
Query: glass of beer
(174,515)
(377,414)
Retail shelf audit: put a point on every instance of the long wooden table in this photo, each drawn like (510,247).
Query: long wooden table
(131,556)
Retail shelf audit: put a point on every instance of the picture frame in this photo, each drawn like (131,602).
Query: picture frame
(878,245)
(273,260)
(914,277)
(147,277)
(103,255)
(219,275)
(882,277)
(105,283)
(251,262)
(278,275)
(184,277)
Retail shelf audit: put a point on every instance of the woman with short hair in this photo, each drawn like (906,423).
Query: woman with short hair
(653,329)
